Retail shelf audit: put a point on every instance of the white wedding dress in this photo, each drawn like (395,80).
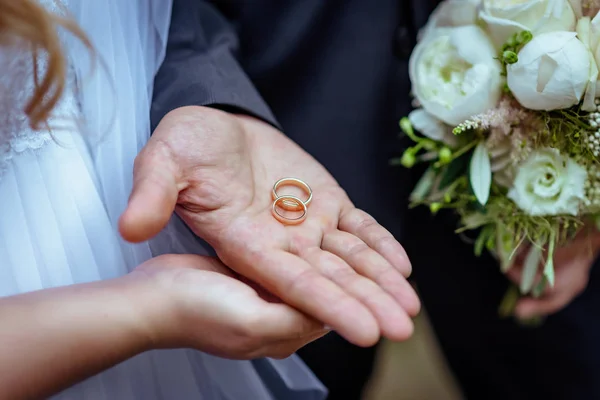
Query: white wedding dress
(62,193)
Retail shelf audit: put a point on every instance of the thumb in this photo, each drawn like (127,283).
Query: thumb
(153,198)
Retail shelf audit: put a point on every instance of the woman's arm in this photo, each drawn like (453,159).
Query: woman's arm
(53,338)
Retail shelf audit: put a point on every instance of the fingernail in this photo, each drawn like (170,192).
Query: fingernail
(327,328)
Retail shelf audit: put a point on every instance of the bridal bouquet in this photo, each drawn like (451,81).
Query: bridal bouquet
(507,117)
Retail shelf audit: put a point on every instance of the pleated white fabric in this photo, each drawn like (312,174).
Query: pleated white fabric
(62,194)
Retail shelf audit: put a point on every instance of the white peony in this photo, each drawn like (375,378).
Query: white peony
(451,13)
(504,18)
(455,73)
(552,72)
(548,183)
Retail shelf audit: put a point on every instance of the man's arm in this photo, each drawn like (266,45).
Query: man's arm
(200,66)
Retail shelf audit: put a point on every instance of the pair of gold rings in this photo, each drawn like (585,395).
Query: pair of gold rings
(290,203)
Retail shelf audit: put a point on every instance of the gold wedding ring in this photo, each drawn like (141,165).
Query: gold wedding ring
(278,203)
(288,204)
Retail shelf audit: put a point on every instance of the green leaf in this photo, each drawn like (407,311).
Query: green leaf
(480,242)
(549,267)
(530,267)
(538,290)
(481,174)
(504,247)
(491,243)
(455,169)
(423,187)
(483,239)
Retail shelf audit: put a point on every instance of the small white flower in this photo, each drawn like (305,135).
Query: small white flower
(455,74)
(548,183)
(552,72)
(504,18)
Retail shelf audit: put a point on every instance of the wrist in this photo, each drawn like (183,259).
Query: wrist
(149,291)
(141,314)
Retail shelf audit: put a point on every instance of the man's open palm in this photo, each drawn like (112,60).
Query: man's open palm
(217,171)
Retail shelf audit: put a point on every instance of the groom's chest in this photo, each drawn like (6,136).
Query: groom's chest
(275,33)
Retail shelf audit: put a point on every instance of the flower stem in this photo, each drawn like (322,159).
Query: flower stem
(457,154)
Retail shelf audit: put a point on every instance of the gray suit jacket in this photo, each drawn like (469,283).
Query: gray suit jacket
(332,74)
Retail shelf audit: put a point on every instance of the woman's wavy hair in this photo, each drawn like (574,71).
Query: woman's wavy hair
(28,23)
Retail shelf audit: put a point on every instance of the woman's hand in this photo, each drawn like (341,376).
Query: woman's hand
(54,338)
(572,264)
(193,301)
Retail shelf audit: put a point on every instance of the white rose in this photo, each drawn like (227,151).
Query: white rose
(548,183)
(454,73)
(552,72)
(504,18)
